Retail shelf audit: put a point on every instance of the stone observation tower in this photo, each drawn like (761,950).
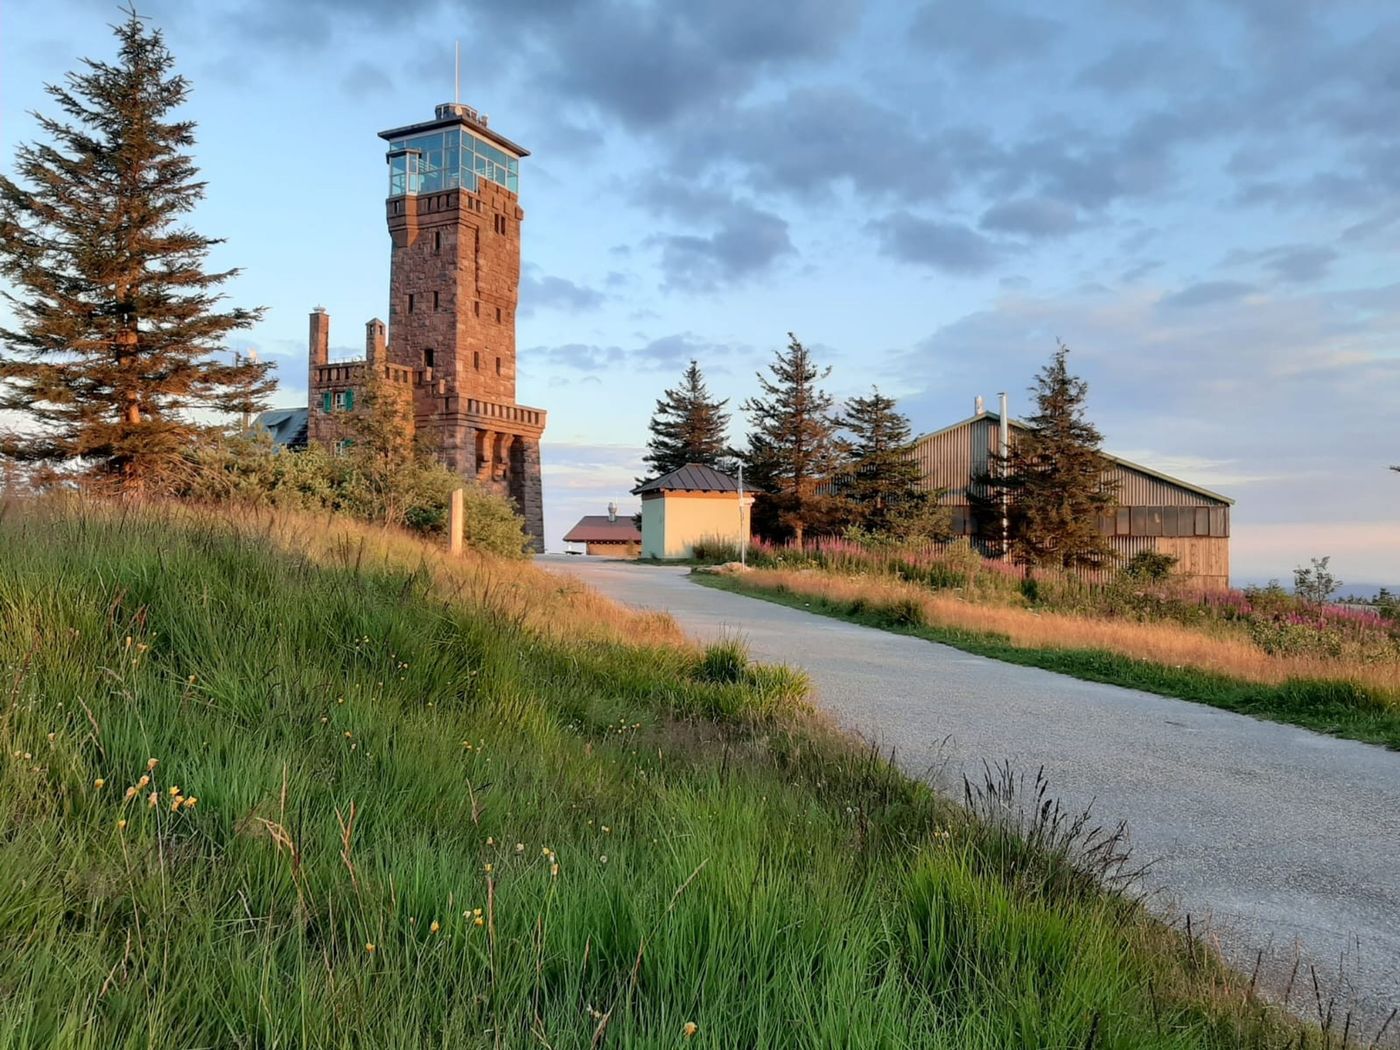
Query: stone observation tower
(454,221)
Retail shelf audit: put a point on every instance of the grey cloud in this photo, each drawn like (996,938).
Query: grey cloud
(1031,217)
(549,292)
(365,80)
(1141,270)
(646,64)
(982,35)
(666,353)
(1207,293)
(747,241)
(1300,263)
(948,246)
(813,139)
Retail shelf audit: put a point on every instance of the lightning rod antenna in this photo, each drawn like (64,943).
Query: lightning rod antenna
(456,71)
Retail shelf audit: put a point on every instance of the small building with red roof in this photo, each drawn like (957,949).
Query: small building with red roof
(607,534)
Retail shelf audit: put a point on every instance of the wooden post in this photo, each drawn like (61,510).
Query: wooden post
(456,521)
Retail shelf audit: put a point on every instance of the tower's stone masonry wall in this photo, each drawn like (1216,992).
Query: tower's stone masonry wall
(453,291)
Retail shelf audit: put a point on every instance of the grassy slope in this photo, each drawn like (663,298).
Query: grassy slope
(1339,708)
(761,880)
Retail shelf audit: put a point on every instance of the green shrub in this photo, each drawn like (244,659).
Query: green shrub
(1150,565)
(724,661)
(414,495)
(715,550)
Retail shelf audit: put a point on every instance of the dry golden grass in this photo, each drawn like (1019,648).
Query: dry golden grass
(548,605)
(1168,644)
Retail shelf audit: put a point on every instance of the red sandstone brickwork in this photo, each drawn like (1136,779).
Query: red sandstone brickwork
(453,291)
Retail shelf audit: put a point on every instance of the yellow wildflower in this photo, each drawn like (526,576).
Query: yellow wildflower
(121,824)
(434,927)
(488,869)
(174,805)
(174,789)
(143,781)
(479,921)
(369,947)
(690,1029)
(151,764)
(99,784)
(190,802)
(152,799)
(130,793)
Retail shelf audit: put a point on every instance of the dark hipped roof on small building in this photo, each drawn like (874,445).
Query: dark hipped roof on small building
(286,425)
(693,477)
(1016,424)
(599,528)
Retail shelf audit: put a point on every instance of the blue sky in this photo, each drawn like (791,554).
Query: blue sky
(1201,198)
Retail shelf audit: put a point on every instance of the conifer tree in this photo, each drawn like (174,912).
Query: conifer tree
(688,426)
(1052,480)
(792,444)
(880,482)
(117,320)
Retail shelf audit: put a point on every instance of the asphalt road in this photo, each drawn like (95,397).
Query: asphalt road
(1270,837)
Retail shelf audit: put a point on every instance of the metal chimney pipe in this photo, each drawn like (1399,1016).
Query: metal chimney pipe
(612,511)
(979,406)
(1003,450)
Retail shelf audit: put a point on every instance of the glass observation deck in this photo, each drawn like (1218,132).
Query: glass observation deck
(446,160)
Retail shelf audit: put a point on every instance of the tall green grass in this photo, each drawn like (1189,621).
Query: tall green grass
(418,825)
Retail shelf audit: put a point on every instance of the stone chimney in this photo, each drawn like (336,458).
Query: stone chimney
(320,341)
(374,341)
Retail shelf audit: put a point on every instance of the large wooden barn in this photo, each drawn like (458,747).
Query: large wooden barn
(1156,511)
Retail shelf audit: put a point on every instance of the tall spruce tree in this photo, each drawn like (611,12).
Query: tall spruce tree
(792,449)
(1051,486)
(118,322)
(688,426)
(879,480)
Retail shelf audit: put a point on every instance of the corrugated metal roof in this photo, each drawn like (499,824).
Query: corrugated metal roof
(693,477)
(598,528)
(1118,461)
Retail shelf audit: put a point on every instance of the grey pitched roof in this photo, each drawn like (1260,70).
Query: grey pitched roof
(693,477)
(1016,424)
(599,528)
(286,425)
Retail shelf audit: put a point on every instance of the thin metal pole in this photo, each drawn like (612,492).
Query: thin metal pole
(743,531)
(456,71)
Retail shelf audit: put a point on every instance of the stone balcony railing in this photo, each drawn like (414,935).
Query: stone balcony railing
(501,412)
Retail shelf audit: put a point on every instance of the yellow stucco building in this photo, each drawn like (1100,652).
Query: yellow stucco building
(691,504)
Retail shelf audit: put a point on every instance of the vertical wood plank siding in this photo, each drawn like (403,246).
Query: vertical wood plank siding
(1152,513)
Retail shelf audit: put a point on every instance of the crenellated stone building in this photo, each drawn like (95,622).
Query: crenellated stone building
(454,220)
